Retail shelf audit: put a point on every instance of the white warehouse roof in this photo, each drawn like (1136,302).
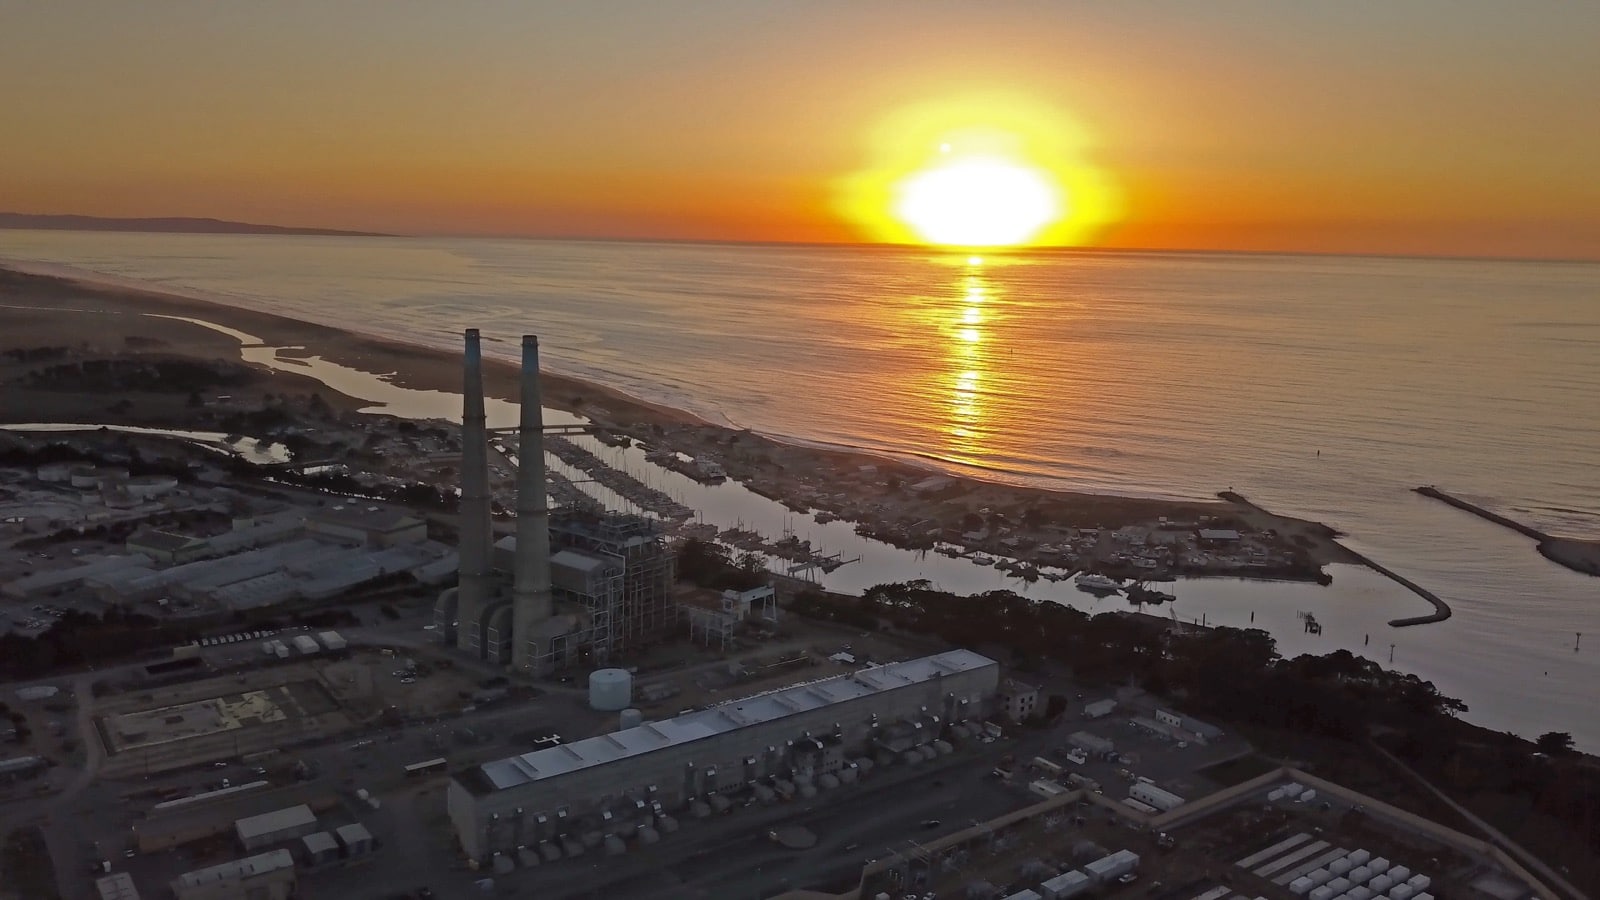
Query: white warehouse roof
(248,867)
(275,821)
(725,717)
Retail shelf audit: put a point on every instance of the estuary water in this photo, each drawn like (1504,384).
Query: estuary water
(1323,387)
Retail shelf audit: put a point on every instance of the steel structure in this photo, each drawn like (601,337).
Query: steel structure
(638,546)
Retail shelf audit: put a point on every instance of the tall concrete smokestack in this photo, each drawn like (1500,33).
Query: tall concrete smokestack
(530,590)
(476,529)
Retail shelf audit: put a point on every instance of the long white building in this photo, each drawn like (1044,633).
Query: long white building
(617,783)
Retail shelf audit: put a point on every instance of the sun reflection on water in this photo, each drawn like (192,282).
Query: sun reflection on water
(967,366)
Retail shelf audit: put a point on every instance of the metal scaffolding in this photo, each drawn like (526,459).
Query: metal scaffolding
(639,548)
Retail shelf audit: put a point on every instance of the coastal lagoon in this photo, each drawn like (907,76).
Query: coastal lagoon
(1320,387)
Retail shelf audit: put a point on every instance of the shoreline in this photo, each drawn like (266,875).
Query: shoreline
(1581,556)
(775,467)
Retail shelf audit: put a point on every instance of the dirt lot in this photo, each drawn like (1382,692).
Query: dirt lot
(316,697)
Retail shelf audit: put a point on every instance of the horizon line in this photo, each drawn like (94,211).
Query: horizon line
(880,245)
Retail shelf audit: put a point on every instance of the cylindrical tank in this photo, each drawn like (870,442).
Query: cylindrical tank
(610,690)
(630,718)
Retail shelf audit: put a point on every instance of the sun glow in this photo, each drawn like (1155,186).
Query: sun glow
(978,202)
(980,170)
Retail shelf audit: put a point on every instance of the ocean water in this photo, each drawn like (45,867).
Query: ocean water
(1324,387)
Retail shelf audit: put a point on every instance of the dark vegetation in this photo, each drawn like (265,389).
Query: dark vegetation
(127,457)
(25,867)
(711,565)
(118,635)
(147,375)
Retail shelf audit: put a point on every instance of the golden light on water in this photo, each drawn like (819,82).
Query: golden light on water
(980,171)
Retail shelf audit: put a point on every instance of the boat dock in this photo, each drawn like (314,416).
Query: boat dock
(636,491)
(790,547)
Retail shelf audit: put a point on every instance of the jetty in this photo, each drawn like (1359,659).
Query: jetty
(1441,609)
(1573,553)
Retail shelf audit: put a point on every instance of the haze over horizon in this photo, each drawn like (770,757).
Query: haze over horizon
(1426,128)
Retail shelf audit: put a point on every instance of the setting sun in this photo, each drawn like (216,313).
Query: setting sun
(981,202)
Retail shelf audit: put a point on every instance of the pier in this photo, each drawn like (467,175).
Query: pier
(1577,555)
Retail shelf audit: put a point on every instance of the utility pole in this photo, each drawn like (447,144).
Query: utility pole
(1391,653)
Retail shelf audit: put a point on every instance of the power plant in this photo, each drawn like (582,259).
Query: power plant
(612,574)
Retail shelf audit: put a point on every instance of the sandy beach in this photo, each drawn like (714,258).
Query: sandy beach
(50,311)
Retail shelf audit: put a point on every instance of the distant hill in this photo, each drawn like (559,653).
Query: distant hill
(169,225)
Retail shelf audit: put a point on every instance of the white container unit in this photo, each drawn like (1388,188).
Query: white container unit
(1380,883)
(1301,886)
(1381,864)
(1399,874)
(1321,893)
(1419,882)
(1360,875)
(1067,884)
(1359,893)
(1340,885)
(1358,857)
(1320,876)
(1401,892)
(1341,866)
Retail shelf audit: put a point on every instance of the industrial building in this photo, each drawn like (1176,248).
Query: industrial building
(1016,700)
(808,734)
(368,526)
(269,876)
(606,588)
(275,827)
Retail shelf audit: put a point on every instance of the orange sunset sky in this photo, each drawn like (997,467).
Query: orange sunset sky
(1458,128)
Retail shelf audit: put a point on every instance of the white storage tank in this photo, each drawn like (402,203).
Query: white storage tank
(1308,796)
(629,718)
(610,690)
(1274,795)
